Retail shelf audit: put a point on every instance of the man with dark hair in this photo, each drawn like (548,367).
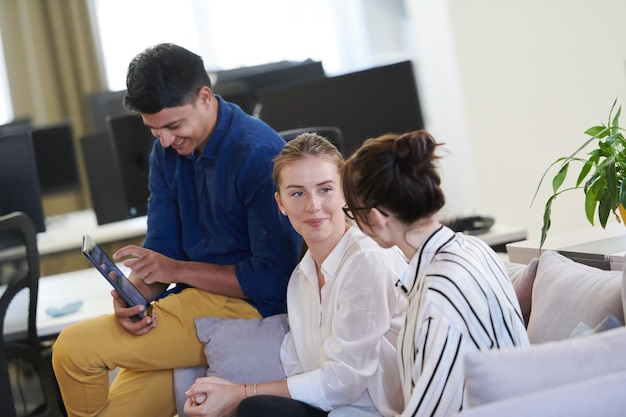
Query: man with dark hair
(215,238)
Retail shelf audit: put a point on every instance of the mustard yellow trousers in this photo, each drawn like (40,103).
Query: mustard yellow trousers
(84,353)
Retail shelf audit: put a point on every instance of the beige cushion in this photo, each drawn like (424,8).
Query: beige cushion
(566,293)
(522,277)
(495,375)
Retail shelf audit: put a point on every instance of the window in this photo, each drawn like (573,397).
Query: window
(6,110)
(344,35)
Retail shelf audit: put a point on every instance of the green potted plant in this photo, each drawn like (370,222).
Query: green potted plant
(602,158)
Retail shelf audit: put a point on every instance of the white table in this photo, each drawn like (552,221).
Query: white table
(86,285)
(524,251)
(65,231)
(501,234)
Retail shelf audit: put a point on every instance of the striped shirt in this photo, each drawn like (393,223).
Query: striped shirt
(460,299)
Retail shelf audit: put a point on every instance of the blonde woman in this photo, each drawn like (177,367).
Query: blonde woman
(344,309)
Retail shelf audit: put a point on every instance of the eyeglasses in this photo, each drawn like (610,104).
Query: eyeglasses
(350,212)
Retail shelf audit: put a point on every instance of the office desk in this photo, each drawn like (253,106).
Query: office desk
(59,246)
(524,251)
(499,235)
(86,285)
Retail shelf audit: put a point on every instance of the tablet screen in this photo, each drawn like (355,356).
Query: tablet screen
(112,273)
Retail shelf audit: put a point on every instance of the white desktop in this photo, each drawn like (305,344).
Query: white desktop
(86,285)
(524,251)
(65,231)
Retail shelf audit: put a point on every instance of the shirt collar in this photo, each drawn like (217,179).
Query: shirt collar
(424,256)
(217,137)
(332,262)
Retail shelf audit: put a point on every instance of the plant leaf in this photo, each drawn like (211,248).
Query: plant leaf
(546,221)
(583,173)
(590,205)
(558,179)
(597,131)
(543,177)
(604,208)
(611,181)
(615,122)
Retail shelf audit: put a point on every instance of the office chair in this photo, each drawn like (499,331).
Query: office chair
(332,133)
(27,383)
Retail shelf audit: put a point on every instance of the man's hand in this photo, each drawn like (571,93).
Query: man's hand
(127,317)
(150,266)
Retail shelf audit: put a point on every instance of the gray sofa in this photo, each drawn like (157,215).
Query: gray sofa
(575,366)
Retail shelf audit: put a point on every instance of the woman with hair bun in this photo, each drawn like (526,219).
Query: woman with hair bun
(460,296)
(345,311)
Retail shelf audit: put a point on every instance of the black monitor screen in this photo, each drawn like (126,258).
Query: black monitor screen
(15,126)
(19,185)
(242,85)
(105,184)
(131,143)
(362,104)
(105,104)
(56,158)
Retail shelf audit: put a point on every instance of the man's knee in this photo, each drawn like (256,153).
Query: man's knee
(74,344)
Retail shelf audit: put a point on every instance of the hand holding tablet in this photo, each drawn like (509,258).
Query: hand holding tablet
(101,261)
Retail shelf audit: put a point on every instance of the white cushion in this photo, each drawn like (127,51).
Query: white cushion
(566,293)
(494,375)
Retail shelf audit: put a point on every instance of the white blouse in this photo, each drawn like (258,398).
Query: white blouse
(341,350)
(461,300)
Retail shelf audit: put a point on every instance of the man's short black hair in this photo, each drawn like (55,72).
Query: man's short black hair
(165,75)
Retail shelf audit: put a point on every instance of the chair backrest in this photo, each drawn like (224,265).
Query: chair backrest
(26,379)
(332,133)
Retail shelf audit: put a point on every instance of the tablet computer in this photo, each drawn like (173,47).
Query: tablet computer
(101,261)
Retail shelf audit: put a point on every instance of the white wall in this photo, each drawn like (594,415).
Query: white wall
(533,75)
(438,79)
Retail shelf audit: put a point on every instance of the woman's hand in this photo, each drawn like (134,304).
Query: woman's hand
(213,397)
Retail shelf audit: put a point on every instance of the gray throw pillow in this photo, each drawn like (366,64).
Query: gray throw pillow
(244,351)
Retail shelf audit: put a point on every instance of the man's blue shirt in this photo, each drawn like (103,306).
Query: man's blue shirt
(218,207)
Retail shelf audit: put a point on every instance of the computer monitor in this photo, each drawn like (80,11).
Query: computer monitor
(242,85)
(55,154)
(362,104)
(132,143)
(105,104)
(15,126)
(108,198)
(19,184)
